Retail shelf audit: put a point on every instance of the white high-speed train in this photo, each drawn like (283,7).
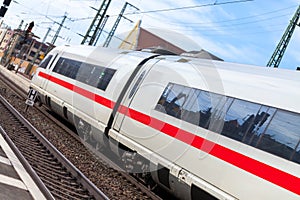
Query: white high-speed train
(201,129)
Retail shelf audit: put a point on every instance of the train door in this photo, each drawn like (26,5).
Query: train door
(128,97)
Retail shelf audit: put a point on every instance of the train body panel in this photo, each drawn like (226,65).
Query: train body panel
(203,125)
(179,150)
(263,85)
(73,93)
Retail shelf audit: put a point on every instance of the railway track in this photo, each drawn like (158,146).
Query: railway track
(62,179)
(113,169)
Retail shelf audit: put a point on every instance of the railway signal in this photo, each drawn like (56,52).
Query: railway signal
(3,8)
(6,2)
(27,33)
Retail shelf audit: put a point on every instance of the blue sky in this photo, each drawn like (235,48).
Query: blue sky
(242,32)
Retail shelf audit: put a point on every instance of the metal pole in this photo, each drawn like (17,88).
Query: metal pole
(58,30)
(283,43)
(113,30)
(101,29)
(21,24)
(91,33)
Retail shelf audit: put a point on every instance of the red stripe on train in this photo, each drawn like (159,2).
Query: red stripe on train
(92,96)
(257,168)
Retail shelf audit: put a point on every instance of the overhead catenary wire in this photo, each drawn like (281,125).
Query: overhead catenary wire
(277,11)
(228,23)
(188,7)
(214,28)
(180,8)
(235,25)
(171,9)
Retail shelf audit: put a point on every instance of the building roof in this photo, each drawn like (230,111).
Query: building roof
(140,38)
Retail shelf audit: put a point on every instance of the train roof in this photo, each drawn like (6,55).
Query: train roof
(268,86)
(97,55)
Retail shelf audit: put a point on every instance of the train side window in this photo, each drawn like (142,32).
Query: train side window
(105,77)
(172,100)
(67,67)
(59,65)
(240,120)
(205,108)
(295,157)
(190,110)
(160,106)
(94,75)
(45,61)
(93,80)
(282,136)
(84,73)
(261,122)
(71,68)
(220,107)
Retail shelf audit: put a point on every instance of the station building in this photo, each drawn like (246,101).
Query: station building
(21,52)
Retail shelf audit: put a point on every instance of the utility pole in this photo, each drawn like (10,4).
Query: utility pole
(59,28)
(282,45)
(91,33)
(113,30)
(101,29)
(46,35)
(21,24)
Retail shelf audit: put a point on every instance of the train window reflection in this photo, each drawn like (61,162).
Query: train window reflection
(58,66)
(205,108)
(104,78)
(261,122)
(72,68)
(266,128)
(93,79)
(67,67)
(173,99)
(89,74)
(162,102)
(296,153)
(84,73)
(240,119)
(221,104)
(190,110)
(282,136)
